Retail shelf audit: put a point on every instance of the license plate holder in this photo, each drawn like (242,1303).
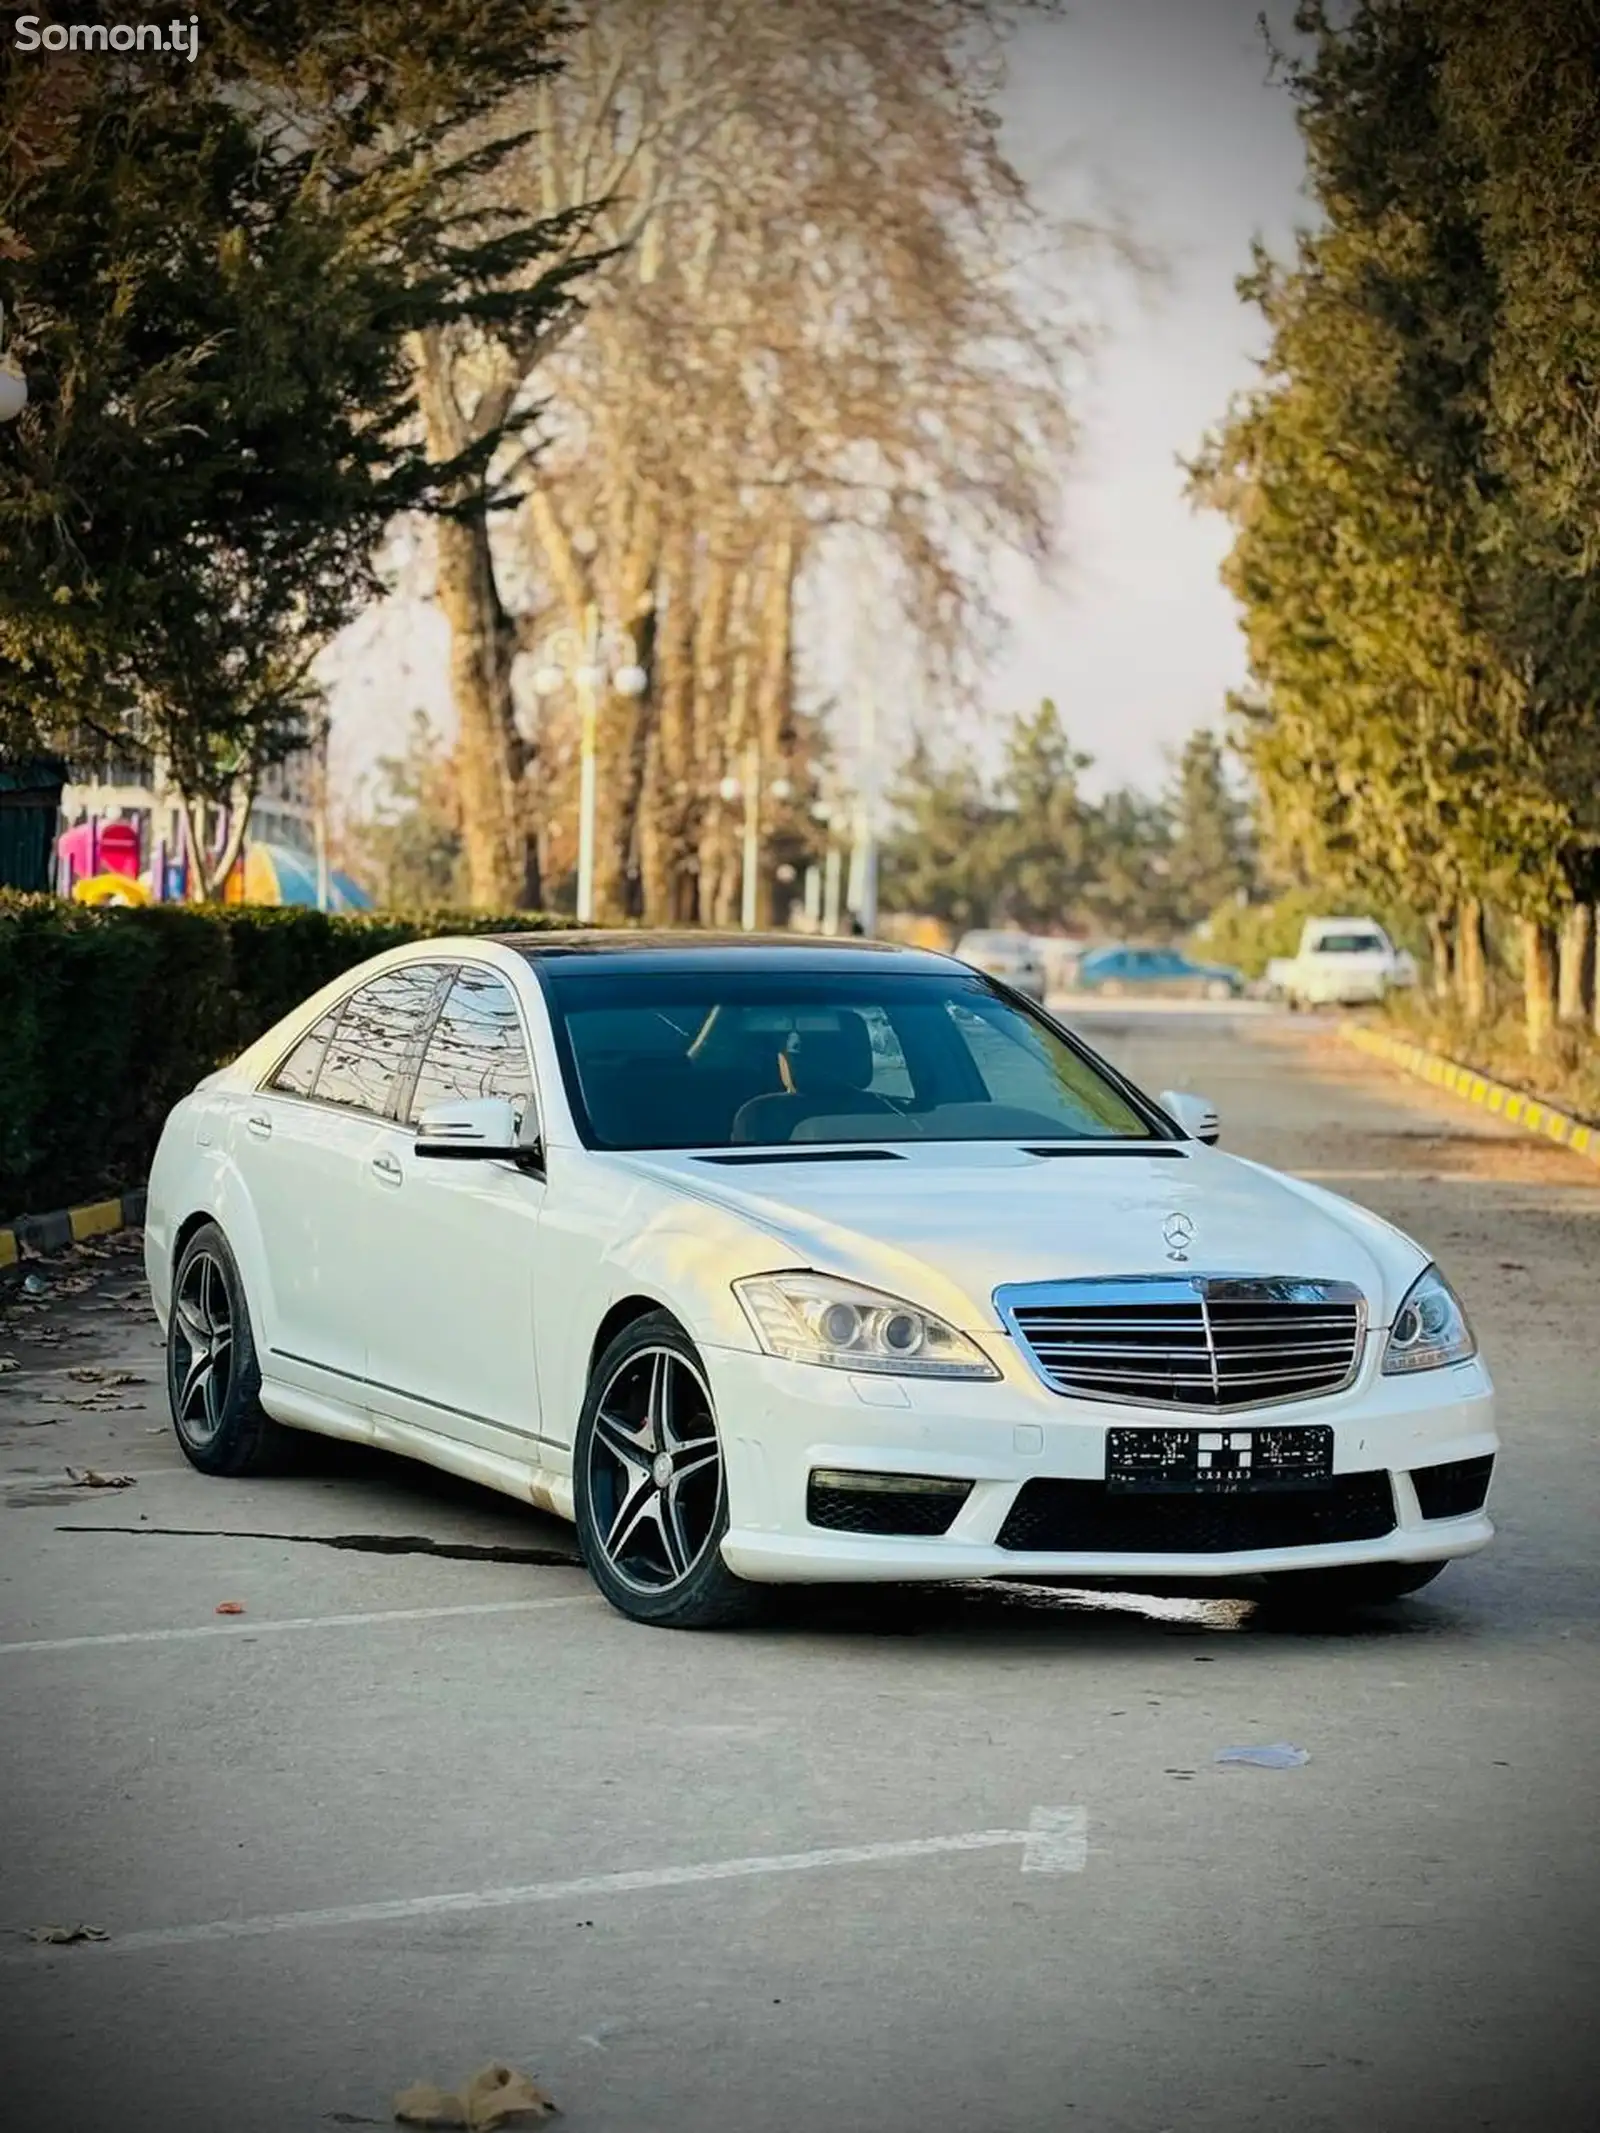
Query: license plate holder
(1219,1461)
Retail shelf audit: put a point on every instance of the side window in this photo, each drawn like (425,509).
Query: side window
(368,1049)
(298,1073)
(476,1048)
(890,1074)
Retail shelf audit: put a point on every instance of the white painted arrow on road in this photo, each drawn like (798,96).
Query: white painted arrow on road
(1056,1841)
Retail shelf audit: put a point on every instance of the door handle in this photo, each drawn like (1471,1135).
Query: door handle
(260,1125)
(387,1169)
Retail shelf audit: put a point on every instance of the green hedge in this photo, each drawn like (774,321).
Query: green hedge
(108,1016)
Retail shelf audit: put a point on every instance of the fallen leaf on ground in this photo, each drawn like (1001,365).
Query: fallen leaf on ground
(63,1936)
(87,1477)
(499,2095)
(425,2105)
(495,2096)
(230,1607)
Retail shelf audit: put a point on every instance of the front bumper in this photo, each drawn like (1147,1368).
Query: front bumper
(782,1421)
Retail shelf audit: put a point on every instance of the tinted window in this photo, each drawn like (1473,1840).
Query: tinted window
(1025,1067)
(367,1051)
(705,1058)
(1348,944)
(298,1074)
(476,1048)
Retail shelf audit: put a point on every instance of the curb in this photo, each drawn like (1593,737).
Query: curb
(1515,1106)
(33,1234)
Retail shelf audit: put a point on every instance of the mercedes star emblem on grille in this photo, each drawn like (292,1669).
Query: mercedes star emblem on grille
(1179,1233)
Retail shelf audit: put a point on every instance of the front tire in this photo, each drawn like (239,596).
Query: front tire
(1363,1585)
(213,1376)
(649,1487)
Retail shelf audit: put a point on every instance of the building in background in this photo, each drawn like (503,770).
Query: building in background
(30,808)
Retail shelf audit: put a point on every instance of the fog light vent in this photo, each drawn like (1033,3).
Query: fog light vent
(911,1504)
(1455,1489)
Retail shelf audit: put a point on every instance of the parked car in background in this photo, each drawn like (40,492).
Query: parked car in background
(1013,958)
(1157,970)
(1341,962)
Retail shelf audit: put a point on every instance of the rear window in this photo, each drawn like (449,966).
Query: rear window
(1348,944)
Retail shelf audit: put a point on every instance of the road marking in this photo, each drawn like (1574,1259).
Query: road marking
(1055,1842)
(247,1628)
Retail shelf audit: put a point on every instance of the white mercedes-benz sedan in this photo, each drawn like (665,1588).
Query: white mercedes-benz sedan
(787,1261)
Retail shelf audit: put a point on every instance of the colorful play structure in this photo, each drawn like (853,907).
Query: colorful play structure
(126,842)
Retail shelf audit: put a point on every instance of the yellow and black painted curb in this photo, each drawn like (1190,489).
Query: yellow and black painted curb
(31,1235)
(1515,1106)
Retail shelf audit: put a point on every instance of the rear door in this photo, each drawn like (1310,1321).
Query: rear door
(305,1146)
(454,1243)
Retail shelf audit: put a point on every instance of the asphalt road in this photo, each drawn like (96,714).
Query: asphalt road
(423,1699)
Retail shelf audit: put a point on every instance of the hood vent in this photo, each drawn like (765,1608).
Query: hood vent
(805,1155)
(1062,1149)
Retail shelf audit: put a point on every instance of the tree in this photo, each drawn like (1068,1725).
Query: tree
(215,273)
(408,848)
(813,320)
(1043,846)
(1130,891)
(1209,858)
(941,859)
(1414,731)
(1027,850)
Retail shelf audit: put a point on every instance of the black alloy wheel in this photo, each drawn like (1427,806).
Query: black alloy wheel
(649,1486)
(213,1377)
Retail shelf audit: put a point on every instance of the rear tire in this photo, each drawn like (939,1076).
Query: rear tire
(649,1487)
(1334,1591)
(213,1376)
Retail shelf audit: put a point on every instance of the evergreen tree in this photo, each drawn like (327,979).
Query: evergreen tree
(215,278)
(1210,854)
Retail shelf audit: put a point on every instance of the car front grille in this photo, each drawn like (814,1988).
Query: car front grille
(1213,1342)
(1085,1518)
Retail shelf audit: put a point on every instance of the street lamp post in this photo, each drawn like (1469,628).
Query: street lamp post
(864,857)
(747,787)
(584,658)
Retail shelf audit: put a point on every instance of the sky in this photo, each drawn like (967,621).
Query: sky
(1166,106)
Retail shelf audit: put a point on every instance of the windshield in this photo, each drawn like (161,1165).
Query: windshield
(1348,944)
(717,1058)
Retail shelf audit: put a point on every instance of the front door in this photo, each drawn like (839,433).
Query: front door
(306,1146)
(452,1349)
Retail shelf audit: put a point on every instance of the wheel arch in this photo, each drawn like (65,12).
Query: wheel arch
(626,1312)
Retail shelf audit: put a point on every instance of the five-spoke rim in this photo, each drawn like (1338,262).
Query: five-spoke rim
(655,1470)
(202,1348)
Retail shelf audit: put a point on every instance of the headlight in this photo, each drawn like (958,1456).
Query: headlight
(816,1318)
(1430,1328)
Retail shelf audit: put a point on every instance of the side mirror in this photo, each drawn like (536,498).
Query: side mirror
(1197,1115)
(481,1129)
